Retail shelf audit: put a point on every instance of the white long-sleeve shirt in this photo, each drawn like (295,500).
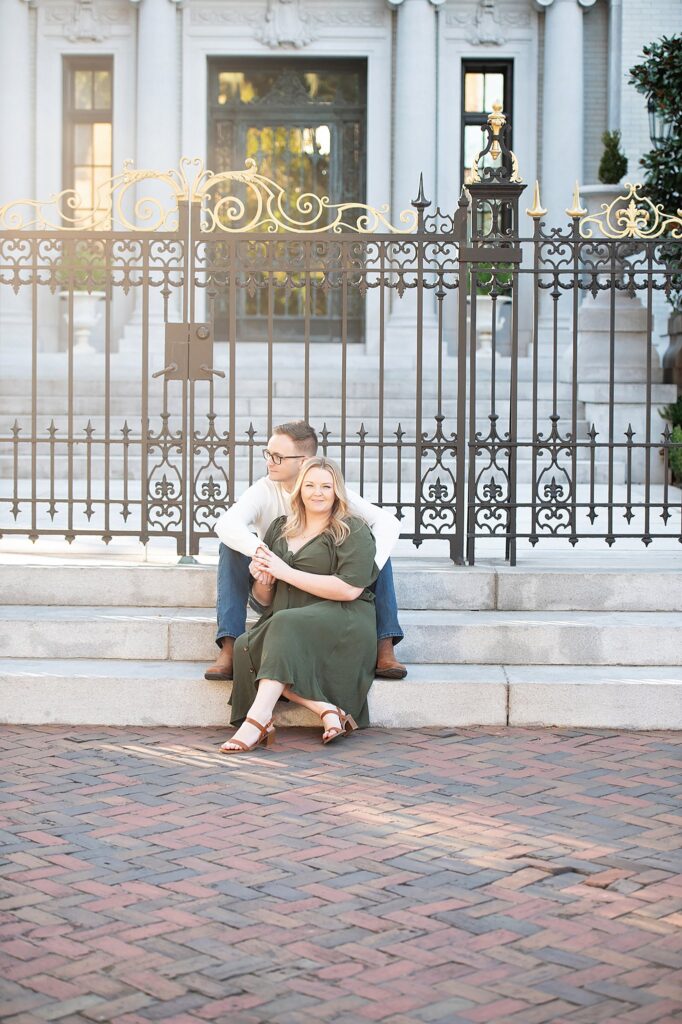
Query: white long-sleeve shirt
(265,500)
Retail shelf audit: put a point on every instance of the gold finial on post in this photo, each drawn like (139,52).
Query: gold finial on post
(576,210)
(536,211)
(496,120)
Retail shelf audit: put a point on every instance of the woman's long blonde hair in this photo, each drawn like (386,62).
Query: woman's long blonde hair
(337,526)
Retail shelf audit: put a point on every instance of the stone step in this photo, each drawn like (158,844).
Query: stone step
(360,411)
(246,471)
(371,424)
(285,392)
(161,693)
(421,583)
(458,637)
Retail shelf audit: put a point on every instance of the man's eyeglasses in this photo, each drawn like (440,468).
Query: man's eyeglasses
(277,460)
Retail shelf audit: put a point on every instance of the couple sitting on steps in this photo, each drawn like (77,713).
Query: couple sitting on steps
(318,568)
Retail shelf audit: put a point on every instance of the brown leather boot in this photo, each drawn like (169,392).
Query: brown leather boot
(388,666)
(222,667)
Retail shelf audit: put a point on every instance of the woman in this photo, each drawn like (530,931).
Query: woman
(316,640)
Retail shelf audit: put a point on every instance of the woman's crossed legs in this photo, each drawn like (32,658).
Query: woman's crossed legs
(269,692)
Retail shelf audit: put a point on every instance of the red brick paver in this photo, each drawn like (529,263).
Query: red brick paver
(467,876)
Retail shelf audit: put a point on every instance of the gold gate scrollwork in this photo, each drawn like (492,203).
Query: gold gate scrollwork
(122,204)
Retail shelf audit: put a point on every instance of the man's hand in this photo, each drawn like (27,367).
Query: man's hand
(266,561)
(257,571)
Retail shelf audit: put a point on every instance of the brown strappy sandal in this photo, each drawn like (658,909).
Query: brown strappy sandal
(266,738)
(348,724)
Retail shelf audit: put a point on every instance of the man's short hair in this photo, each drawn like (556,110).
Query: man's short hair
(301,433)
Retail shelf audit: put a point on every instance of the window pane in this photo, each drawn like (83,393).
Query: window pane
(288,85)
(494,91)
(101,175)
(473,144)
(82,88)
(102,90)
(328,86)
(473,92)
(228,86)
(243,87)
(323,140)
(83,187)
(102,144)
(82,144)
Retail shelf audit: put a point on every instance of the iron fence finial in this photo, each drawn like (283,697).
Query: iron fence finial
(576,210)
(537,210)
(421,202)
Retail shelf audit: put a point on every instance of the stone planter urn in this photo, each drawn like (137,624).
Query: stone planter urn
(672,357)
(484,324)
(630,357)
(595,314)
(86,315)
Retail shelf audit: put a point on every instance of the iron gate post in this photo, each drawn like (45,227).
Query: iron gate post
(495,192)
(461,518)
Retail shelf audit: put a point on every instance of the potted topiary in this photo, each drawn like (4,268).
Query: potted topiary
(612,168)
(82,273)
(497,278)
(613,164)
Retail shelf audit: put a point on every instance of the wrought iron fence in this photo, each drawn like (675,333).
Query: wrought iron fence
(443,416)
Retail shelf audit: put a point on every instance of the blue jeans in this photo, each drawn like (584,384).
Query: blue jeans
(234,583)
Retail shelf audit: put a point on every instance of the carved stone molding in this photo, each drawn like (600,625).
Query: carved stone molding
(318,16)
(488,22)
(328,16)
(86,20)
(286,25)
(210,15)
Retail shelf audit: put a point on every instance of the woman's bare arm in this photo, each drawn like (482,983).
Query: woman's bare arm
(329,587)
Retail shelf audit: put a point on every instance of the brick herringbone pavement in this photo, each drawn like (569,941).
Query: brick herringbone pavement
(516,876)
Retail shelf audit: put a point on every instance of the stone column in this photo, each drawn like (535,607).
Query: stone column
(562,134)
(16,170)
(616,76)
(158,100)
(562,119)
(157,145)
(414,138)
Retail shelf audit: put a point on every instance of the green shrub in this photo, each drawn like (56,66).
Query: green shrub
(675,455)
(82,271)
(672,413)
(659,78)
(613,164)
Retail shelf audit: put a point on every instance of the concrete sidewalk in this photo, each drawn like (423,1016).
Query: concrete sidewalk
(515,876)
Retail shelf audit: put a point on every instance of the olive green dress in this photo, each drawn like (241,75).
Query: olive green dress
(325,650)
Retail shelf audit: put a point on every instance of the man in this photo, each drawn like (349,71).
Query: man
(242,527)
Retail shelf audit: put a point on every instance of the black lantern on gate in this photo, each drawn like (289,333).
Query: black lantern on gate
(660,129)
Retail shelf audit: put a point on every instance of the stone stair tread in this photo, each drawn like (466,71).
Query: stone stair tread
(111,692)
(115,667)
(416,673)
(416,617)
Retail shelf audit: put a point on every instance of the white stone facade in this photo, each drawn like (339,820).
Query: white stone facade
(414,50)
(570,67)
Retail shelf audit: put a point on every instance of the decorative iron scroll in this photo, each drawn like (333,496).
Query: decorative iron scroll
(115,205)
(265,208)
(312,213)
(640,218)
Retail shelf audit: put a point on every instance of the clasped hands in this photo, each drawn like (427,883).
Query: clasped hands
(266,567)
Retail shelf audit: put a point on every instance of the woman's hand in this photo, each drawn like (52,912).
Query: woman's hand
(266,561)
(260,576)
(256,569)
